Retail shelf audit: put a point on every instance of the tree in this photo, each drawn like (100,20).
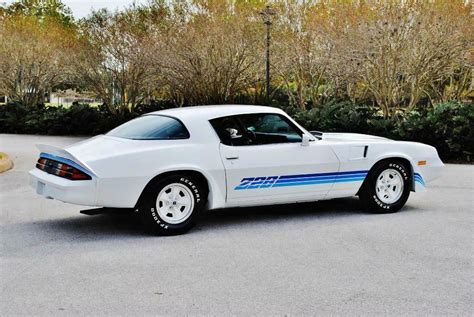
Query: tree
(396,51)
(211,55)
(397,54)
(300,56)
(112,59)
(440,64)
(42,9)
(34,56)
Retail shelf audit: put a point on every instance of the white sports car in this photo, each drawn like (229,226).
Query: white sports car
(169,165)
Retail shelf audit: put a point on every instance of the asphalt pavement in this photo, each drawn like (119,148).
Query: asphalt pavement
(322,258)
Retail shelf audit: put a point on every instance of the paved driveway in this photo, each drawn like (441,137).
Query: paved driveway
(319,258)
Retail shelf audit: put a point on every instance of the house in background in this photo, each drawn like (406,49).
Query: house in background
(69,96)
(63,97)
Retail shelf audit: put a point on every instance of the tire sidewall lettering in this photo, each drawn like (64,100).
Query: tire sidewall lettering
(193,188)
(401,169)
(381,204)
(405,175)
(197,197)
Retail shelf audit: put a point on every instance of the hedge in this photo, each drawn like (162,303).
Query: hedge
(78,119)
(448,126)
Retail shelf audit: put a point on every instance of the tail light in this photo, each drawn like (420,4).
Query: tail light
(61,169)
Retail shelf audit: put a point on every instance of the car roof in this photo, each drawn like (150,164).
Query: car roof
(214,111)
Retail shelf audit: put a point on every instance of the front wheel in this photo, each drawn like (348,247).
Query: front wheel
(172,205)
(387,187)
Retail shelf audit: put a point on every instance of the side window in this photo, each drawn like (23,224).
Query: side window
(151,127)
(256,129)
(271,128)
(230,131)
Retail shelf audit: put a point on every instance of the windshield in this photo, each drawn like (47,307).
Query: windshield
(151,127)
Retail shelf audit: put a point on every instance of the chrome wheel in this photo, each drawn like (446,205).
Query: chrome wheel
(175,203)
(389,186)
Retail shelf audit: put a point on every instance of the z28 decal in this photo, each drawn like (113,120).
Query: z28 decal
(301,179)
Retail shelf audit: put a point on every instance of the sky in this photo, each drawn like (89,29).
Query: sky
(81,8)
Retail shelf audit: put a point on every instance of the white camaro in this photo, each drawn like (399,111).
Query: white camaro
(170,165)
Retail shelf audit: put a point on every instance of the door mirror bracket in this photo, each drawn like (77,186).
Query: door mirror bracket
(305,139)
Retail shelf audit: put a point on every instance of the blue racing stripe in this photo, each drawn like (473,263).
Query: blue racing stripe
(303,179)
(418,178)
(316,182)
(300,179)
(323,174)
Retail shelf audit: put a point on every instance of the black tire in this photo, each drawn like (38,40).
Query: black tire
(154,223)
(368,192)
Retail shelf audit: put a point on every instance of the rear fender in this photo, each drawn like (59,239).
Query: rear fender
(215,180)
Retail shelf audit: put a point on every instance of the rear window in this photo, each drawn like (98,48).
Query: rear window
(151,127)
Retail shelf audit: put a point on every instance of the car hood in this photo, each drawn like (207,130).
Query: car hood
(344,137)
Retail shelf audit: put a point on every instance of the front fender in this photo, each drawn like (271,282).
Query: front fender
(426,165)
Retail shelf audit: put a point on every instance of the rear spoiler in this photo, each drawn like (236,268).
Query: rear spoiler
(62,153)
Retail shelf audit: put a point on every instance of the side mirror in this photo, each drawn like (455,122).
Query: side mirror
(305,140)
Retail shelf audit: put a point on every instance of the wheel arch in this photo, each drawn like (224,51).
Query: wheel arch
(204,179)
(403,159)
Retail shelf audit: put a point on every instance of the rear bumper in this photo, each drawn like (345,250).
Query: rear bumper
(75,192)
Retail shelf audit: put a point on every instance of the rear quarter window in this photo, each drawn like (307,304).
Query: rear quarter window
(151,127)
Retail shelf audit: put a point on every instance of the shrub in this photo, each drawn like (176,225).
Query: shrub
(11,118)
(448,126)
(79,119)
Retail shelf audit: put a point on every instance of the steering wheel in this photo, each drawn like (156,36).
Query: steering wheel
(251,136)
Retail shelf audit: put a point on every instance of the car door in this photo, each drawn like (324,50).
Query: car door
(265,161)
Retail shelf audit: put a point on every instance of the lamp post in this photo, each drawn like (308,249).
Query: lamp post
(267,14)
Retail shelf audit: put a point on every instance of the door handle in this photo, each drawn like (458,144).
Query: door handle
(232,157)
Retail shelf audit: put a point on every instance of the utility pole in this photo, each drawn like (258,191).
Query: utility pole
(267,15)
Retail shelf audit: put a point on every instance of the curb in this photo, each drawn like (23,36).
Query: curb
(5,162)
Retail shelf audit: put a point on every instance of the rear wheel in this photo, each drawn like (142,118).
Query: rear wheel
(387,187)
(172,205)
